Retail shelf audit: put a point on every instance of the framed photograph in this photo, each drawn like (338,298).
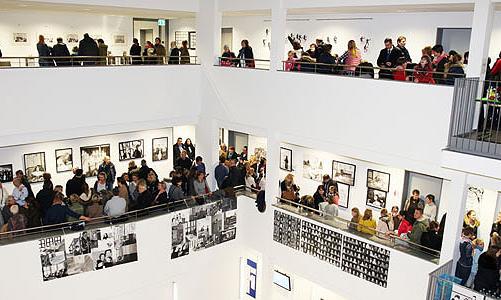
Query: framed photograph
(130,150)
(34,166)
(378,180)
(192,40)
(91,157)
(313,167)
(344,194)
(64,160)
(6,173)
(20,38)
(72,38)
(343,172)
(376,198)
(49,38)
(159,148)
(286,159)
(119,39)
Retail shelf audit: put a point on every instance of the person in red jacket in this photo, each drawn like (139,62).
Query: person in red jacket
(423,72)
(405,225)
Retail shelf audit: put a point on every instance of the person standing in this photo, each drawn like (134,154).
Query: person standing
(465,262)
(44,53)
(135,52)
(246,55)
(75,184)
(174,54)
(388,59)
(115,207)
(108,168)
(177,148)
(103,52)
(221,171)
(439,62)
(351,58)
(160,51)
(412,203)
(61,53)
(184,53)
(88,47)
(430,208)
(20,192)
(190,148)
(401,42)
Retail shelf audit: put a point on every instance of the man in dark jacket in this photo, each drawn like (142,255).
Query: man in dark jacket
(401,41)
(235,177)
(45,197)
(388,59)
(75,184)
(431,239)
(177,148)
(160,51)
(326,59)
(108,168)
(61,50)
(135,52)
(184,161)
(440,60)
(327,182)
(59,213)
(88,47)
(145,170)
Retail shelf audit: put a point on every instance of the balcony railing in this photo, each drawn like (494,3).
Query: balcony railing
(386,239)
(258,64)
(362,71)
(475,126)
(100,61)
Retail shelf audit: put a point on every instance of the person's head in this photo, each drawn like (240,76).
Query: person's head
(499,217)
(289,178)
(141,186)
(187,142)
(135,177)
(468,232)
(367,214)
(16,182)
(434,226)
(125,176)
(173,44)
(401,61)
(179,141)
(388,43)
(58,198)
(326,178)
(95,199)
(106,160)
(121,181)
(222,159)
(430,199)
(158,41)
(394,211)
(332,189)
(250,172)
(320,190)
(327,48)
(418,213)
(437,50)
(313,47)
(198,160)
(116,191)
(185,44)
(41,39)
(101,177)
(384,212)
(19,174)
(14,209)
(100,41)
(232,149)
(74,198)
(143,163)
(135,41)
(11,201)
(184,154)
(319,42)
(478,244)
(59,40)
(352,47)
(58,188)
(455,58)
(244,149)
(425,61)
(152,177)
(290,54)
(244,43)
(471,214)
(200,176)
(86,36)
(330,199)
(426,51)
(78,172)
(415,194)
(401,41)
(355,213)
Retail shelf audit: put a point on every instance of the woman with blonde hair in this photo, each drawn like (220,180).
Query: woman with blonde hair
(367,224)
(355,219)
(351,58)
(289,189)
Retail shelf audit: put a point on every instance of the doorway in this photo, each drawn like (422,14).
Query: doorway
(227,38)
(145,35)
(148,29)
(457,39)
(238,140)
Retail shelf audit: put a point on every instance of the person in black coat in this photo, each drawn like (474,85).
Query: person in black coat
(431,239)
(190,148)
(174,58)
(135,52)
(487,278)
(246,55)
(45,196)
(325,60)
(327,182)
(145,198)
(75,184)
(319,196)
(388,59)
(184,161)
(177,148)
(59,51)
(88,47)
(228,57)
(401,41)
(235,177)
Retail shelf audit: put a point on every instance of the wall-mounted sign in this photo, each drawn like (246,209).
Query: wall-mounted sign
(161,22)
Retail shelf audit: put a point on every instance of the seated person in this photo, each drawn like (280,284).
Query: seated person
(367,224)
(331,210)
(58,213)
(115,207)
(419,227)
(385,223)
(431,239)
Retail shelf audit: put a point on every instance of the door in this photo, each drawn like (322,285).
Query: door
(457,39)
(237,139)
(145,35)
(227,38)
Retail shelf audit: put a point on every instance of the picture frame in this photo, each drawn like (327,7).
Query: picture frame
(192,40)
(313,167)
(34,166)
(376,198)
(285,159)
(119,39)
(72,38)
(130,150)
(344,172)
(160,148)
(378,180)
(6,173)
(91,158)
(64,160)
(20,38)
(344,194)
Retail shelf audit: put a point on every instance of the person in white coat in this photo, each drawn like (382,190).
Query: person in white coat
(384,224)
(430,208)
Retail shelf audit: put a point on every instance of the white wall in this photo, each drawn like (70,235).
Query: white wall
(185,24)
(186,5)
(253,29)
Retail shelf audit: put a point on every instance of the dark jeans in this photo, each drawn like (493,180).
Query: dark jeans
(463,272)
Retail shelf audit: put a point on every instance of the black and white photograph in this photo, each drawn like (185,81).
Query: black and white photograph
(119,39)
(6,173)
(461,293)
(49,38)
(376,198)
(313,167)
(192,40)
(34,166)
(64,160)
(201,227)
(91,157)
(52,257)
(286,159)
(343,172)
(72,38)
(20,38)
(344,194)
(259,153)
(286,230)
(378,180)
(160,148)
(131,150)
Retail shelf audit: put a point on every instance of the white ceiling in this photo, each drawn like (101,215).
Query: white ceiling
(382,9)
(7,5)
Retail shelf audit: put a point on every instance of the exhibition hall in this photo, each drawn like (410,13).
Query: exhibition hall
(266,149)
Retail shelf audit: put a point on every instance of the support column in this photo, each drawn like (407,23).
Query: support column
(483,16)
(278,35)
(209,20)
(272,168)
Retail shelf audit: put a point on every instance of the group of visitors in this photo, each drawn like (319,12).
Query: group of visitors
(245,58)
(394,62)
(95,52)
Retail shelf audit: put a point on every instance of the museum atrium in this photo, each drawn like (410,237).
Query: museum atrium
(264,149)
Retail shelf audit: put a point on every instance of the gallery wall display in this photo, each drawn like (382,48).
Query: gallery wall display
(378,180)
(192,40)
(91,157)
(313,167)
(20,38)
(286,159)
(344,194)
(34,166)
(461,293)
(376,198)
(72,38)
(86,251)
(286,230)
(64,160)
(351,255)
(204,226)
(130,150)
(160,148)
(343,172)
(119,39)
(6,173)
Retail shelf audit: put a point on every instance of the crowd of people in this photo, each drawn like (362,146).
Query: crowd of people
(476,268)
(415,222)
(92,51)
(394,62)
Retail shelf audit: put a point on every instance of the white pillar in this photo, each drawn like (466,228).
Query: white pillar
(278,35)
(483,16)
(209,20)
(272,168)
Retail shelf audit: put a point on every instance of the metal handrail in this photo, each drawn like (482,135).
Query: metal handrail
(392,237)
(236,62)
(49,228)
